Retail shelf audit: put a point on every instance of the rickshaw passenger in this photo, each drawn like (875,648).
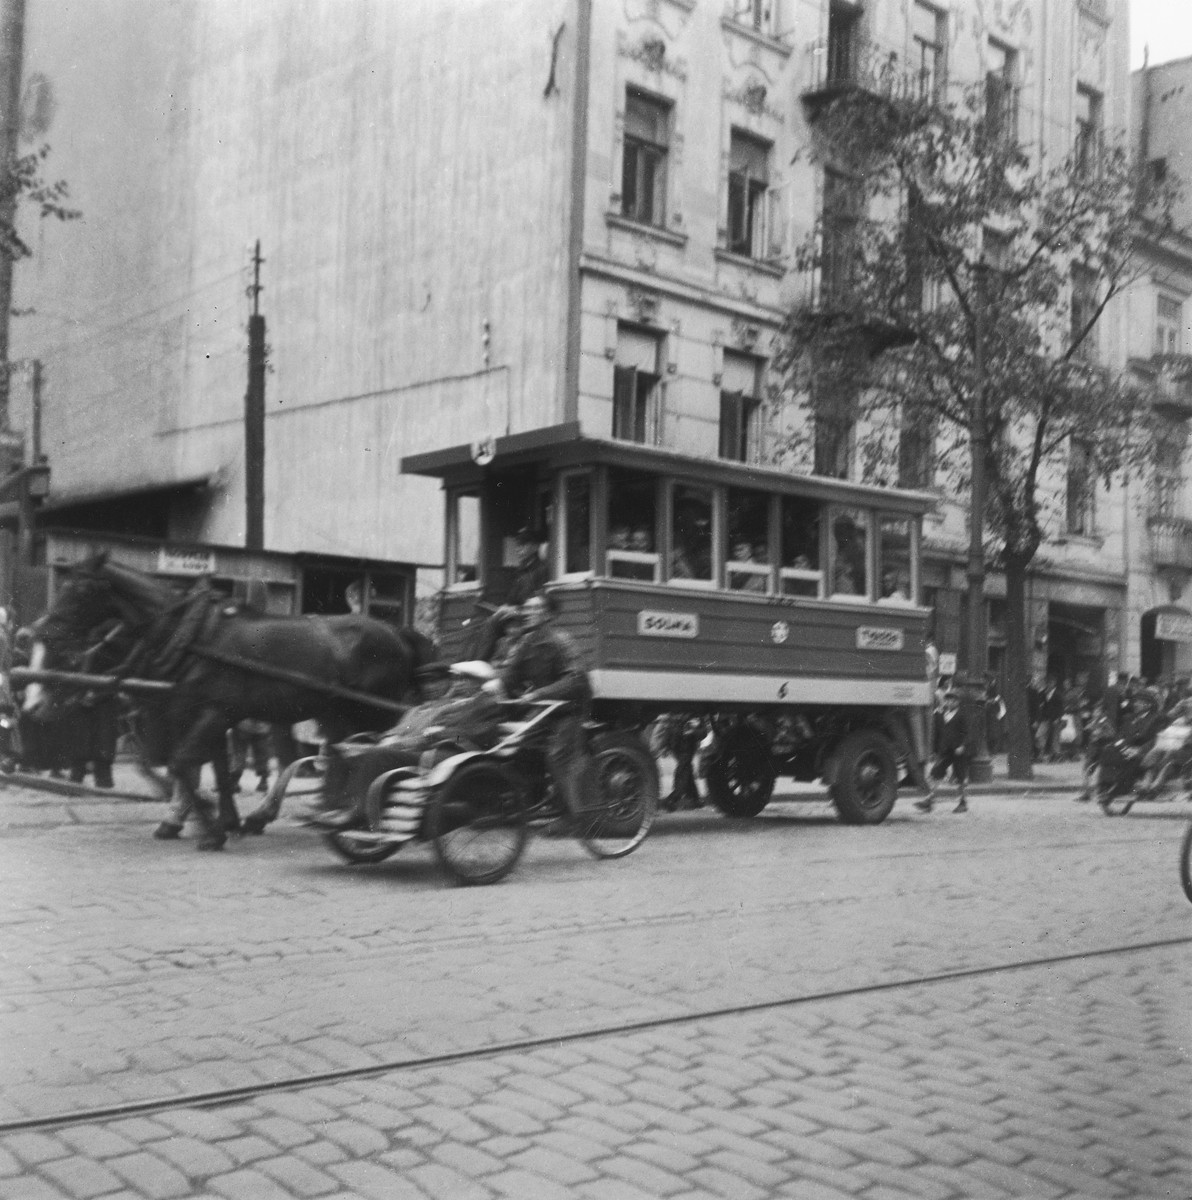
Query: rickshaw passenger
(547,665)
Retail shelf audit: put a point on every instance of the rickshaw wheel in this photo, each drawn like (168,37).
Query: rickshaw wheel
(741,773)
(1186,863)
(477,823)
(359,852)
(627,781)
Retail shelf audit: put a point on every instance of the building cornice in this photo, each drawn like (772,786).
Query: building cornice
(608,268)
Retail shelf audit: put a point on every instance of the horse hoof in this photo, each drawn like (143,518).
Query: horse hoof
(213,842)
(167,831)
(232,827)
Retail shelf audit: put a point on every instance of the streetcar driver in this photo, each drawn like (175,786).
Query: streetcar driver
(547,665)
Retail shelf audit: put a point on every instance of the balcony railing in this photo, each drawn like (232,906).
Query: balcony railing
(1171,541)
(1170,380)
(849,62)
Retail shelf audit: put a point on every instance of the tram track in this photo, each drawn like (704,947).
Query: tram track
(232,1095)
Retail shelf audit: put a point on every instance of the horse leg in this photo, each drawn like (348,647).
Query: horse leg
(188,758)
(229,818)
(269,808)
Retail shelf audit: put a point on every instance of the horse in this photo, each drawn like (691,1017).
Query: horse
(228,663)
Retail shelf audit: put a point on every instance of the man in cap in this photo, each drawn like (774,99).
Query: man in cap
(951,750)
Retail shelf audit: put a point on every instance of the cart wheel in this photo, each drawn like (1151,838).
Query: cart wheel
(352,851)
(740,773)
(1186,863)
(865,785)
(478,823)
(627,782)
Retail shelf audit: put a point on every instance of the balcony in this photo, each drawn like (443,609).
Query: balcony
(1170,378)
(1171,541)
(845,63)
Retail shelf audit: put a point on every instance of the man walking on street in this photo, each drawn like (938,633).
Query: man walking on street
(951,750)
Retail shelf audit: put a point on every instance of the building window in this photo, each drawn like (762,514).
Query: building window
(1084,312)
(1081,489)
(833,442)
(843,27)
(740,408)
(1168,321)
(1001,94)
(916,450)
(643,176)
(756,14)
(748,186)
(929,32)
(636,382)
(841,218)
(1169,471)
(1087,149)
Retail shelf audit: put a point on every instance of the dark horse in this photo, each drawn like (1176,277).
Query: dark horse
(228,664)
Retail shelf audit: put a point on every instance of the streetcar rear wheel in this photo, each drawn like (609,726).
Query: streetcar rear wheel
(627,785)
(478,824)
(740,773)
(865,783)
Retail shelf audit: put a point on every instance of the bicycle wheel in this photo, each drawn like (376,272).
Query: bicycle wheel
(1186,863)
(478,824)
(627,782)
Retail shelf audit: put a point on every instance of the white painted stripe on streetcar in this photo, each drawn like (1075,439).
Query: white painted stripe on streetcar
(713,687)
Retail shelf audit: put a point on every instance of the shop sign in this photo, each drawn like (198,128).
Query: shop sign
(1174,627)
(667,624)
(872,637)
(185,562)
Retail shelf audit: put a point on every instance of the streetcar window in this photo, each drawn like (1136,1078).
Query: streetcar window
(691,535)
(747,568)
(801,572)
(577,524)
(632,526)
(463,538)
(894,560)
(849,547)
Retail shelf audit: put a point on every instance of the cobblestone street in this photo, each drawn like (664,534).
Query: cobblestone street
(991,1005)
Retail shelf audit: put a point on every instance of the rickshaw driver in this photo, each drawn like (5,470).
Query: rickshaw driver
(547,665)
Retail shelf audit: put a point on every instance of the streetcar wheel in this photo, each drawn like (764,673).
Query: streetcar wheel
(359,852)
(478,824)
(627,783)
(740,773)
(1186,863)
(865,782)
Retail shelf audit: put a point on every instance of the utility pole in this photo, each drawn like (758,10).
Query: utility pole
(12,51)
(254,417)
(976,659)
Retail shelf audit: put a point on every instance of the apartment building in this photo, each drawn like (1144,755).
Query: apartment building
(1160,356)
(483,217)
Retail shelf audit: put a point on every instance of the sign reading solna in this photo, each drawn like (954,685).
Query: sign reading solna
(667,624)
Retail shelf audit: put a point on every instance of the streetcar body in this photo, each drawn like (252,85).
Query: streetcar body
(787,602)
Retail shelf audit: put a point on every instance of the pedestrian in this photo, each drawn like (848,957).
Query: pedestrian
(951,751)
(995,715)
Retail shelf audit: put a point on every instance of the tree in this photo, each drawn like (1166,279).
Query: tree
(975,279)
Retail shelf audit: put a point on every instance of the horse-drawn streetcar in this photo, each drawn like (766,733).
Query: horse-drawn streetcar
(780,609)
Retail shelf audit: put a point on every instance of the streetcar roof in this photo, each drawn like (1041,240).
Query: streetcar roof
(563,446)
